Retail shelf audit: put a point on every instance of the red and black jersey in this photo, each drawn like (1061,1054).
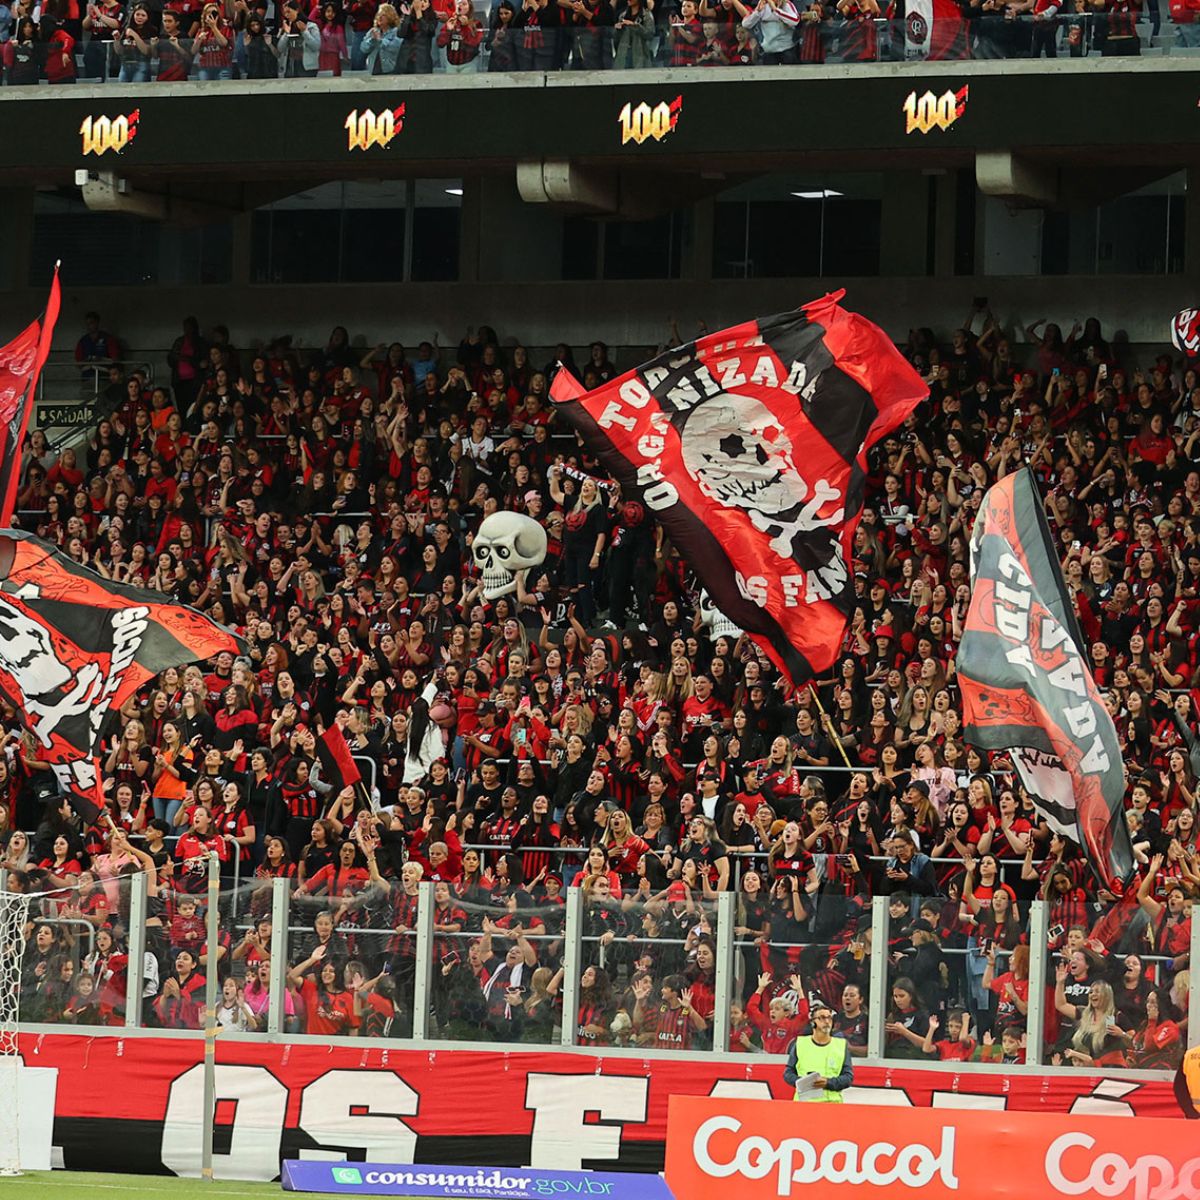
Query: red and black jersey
(592,1014)
(448,914)
(404,912)
(672,1028)
(495,737)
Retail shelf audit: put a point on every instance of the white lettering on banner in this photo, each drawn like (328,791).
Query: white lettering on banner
(1012,602)
(129,627)
(880,1164)
(561,1138)
(476,1179)
(260,1106)
(1152,1177)
(325,1115)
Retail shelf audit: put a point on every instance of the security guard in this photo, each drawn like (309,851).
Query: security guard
(1187,1084)
(819,1065)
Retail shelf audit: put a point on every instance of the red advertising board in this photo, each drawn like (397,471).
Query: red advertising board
(765,1150)
(131,1103)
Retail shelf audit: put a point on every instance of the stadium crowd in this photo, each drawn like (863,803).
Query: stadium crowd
(60,41)
(588,730)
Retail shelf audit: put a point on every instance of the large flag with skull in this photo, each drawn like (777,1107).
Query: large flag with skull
(75,647)
(1025,683)
(750,446)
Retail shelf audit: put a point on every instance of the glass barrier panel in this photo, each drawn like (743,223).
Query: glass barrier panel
(341,949)
(73,971)
(801,938)
(244,947)
(499,41)
(647,965)
(1115,997)
(496,971)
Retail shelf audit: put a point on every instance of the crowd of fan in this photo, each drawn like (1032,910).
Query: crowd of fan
(587,730)
(60,41)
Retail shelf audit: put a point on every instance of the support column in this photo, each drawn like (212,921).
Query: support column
(1191,249)
(241,225)
(572,967)
(904,224)
(698,249)
(877,1002)
(945,223)
(724,977)
(134,972)
(523,242)
(1035,1025)
(17,206)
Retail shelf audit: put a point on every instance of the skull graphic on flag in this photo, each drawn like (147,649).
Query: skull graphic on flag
(739,453)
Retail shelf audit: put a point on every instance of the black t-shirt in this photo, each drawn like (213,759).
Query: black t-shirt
(853,1029)
(586,525)
(704,856)
(1076,990)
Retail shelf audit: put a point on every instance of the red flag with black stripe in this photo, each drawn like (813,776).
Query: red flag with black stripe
(750,447)
(21,363)
(75,647)
(337,764)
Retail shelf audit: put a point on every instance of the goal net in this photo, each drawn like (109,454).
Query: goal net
(14,914)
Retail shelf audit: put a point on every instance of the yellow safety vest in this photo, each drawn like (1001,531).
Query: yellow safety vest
(825,1060)
(1190,1069)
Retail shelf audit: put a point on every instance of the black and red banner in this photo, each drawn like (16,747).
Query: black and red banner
(133,1103)
(75,647)
(1026,685)
(21,363)
(750,446)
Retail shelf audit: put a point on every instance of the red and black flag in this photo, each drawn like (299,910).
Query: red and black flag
(337,764)
(21,363)
(75,647)
(1026,686)
(750,446)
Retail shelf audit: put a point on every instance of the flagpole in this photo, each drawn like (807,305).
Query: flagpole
(837,741)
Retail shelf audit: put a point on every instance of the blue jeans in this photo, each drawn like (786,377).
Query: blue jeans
(165,810)
(135,72)
(207,74)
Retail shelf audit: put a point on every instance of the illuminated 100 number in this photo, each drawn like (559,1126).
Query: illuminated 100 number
(927,112)
(101,134)
(642,122)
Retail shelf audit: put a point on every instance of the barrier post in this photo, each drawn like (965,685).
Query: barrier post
(1035,1020)
(213,931)
(724,974)
(572,947)
(422,976)
(136,940)
(1194,992)
(877,1002)
(280,906)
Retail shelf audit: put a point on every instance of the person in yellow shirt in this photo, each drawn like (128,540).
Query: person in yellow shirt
(819,1066)
(1187,1084)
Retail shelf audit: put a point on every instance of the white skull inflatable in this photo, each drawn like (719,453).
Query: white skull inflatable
(715,621)
(506,543)
(740,455)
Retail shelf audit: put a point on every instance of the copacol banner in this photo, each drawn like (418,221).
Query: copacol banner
(479,1183)
(756,1149)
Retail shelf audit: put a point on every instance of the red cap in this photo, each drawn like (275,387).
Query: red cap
(677,891)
